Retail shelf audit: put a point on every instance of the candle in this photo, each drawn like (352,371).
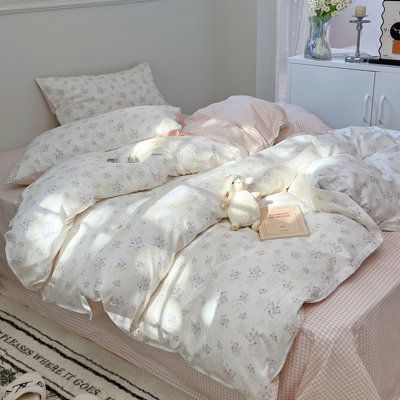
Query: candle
(361,11)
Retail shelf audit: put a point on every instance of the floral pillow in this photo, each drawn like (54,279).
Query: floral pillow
(300,121)
(105,132)
(75,98)
(242,121)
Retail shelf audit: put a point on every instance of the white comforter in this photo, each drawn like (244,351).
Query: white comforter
(170,274)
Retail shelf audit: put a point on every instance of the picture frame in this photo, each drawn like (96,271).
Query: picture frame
(390,34)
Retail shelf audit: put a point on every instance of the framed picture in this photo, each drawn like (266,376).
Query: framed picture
(390,38)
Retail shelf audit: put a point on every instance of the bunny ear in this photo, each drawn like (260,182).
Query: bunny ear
(249,181)
(226,176)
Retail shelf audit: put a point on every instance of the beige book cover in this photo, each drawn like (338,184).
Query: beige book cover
(282,222)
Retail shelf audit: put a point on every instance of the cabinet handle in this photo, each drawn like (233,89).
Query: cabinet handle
(366,99)
(380,109)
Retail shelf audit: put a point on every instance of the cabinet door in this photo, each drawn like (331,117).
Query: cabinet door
(387,101)
(340,97)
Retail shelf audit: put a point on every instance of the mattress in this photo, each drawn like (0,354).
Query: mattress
(348,347)
(9,194)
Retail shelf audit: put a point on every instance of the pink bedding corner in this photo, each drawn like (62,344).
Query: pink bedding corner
(246,122)
(300,121)
(9,194)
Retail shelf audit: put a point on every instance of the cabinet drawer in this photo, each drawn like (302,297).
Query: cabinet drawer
(387,101)
(340,97)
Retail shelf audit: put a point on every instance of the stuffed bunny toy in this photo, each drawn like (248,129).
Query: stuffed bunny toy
(243,209)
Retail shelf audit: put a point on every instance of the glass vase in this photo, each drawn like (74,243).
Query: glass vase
(318,47)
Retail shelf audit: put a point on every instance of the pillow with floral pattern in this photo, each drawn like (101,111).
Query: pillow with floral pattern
(78,97)
(102,133)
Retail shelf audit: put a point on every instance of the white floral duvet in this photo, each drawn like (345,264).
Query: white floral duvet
(153,248)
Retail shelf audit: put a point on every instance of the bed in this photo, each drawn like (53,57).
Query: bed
(348,345)
(352,334)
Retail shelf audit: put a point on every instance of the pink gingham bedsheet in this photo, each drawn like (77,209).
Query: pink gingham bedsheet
(300,121)
(348,348)
(246,122)
(9,194)
(349,345)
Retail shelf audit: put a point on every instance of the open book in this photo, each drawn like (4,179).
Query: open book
(282,222)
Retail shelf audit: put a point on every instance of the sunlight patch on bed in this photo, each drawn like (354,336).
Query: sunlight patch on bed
(52,202)
(209,309)
(101,240)
(163,126)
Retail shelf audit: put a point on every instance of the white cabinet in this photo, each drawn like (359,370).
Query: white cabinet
(343,94)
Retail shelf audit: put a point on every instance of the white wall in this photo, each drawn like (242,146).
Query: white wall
(237,52)
(177,38)
(247,46)
(266,48)
(200,51)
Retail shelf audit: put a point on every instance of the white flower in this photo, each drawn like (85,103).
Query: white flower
(328,8)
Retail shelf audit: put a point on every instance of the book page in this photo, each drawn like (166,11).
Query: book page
(282,221)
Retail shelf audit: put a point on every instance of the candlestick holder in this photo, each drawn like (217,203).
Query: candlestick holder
(359,57)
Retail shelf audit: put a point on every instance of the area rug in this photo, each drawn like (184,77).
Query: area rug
(70,364)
